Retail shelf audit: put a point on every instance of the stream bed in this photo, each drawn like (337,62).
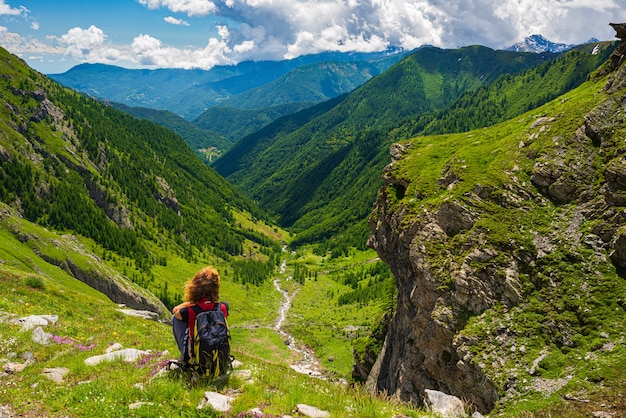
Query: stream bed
(308,364)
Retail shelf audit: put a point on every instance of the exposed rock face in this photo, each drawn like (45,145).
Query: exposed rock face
(115,288)
(448,271)
(418,352)
(165,195)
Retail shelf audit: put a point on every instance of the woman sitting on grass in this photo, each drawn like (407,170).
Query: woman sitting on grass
(203,290)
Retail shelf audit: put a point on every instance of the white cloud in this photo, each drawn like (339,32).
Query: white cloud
(288,28)
(145,43)
(223,31)
(244,47)
(190,7)
(277,29)
(151,51)
(80,42)
(560,21)
(34,25)
(6,9)
(11,41)
(17,44)
(174,21)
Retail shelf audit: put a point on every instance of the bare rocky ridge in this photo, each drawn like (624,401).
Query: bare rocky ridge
(425,347)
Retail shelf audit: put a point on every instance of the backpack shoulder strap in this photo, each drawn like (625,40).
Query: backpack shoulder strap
(223,306)
(192,312)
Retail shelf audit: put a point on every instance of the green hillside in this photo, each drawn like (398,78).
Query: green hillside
(206,143)
(507,247)
(134,188)
(511,95)
(244,152)
(190,92)
(234,124)
(309,83)
(321,179)
(217,129)
(248,112)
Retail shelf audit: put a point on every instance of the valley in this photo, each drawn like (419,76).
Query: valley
(455,223)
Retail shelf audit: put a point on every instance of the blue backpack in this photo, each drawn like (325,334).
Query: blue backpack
(208,348)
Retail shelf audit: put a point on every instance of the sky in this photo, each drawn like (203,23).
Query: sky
(54,35)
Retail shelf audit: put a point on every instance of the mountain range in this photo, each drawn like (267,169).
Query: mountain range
(322,176)
(188,93)
(230,102)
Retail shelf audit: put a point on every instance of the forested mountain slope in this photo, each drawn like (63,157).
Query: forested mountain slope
(198,139)
(309,83)
(248,112)
(322,178)
(131,187)
(510,95)
(234,124)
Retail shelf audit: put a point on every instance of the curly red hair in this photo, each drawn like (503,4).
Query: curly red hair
(205,284)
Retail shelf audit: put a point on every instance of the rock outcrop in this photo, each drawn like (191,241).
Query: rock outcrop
(451,268)
(418,352)
(89,269)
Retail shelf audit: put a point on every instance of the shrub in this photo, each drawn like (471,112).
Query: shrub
(35,282)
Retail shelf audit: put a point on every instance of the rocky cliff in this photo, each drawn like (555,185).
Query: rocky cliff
(508,247)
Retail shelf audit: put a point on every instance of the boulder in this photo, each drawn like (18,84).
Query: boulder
(311,411)
(245,375)
(447,405)
(114,347)
(14,367)
(137,405)
(6,411)
(217,401)
(32,321)
(153,316)
(56,374)
(127,355)
(41,337)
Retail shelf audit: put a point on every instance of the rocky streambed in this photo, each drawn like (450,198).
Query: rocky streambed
(308,364)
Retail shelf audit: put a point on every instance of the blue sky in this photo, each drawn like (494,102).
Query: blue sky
(54,35)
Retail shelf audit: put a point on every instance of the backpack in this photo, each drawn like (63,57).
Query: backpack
(208,345)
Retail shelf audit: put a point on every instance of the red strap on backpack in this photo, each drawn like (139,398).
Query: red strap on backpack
(203,305)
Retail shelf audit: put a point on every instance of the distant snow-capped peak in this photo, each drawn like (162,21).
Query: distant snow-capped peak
(537,43)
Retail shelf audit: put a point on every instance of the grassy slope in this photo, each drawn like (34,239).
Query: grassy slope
(90,323)
(321,322)
(583,299)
